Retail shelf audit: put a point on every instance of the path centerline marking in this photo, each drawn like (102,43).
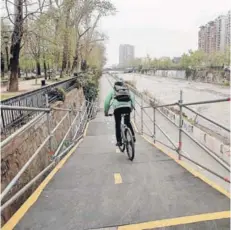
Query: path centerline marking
(118,178)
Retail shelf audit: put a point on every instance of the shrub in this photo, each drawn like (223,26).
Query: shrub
(90,83)
(59,93)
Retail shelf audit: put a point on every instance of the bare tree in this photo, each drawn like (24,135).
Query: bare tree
(87,24)
(18,19)
(68,5)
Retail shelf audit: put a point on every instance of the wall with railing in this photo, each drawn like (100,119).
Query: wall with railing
(56,140)
(11,120)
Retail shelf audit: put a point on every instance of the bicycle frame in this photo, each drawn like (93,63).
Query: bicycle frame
(123,126)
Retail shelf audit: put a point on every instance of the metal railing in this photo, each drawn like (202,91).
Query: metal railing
(145,114)
(76,120)
(11,120)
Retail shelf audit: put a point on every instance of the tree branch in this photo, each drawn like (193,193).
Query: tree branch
(80,35)
(8,13)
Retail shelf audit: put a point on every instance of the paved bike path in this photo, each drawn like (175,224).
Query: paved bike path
(98,187)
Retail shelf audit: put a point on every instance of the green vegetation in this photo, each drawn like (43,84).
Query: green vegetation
(61,36)
(7,95)
(193,60)
(89,81)
(62,94)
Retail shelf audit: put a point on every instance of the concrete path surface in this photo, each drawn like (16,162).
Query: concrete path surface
(99,188)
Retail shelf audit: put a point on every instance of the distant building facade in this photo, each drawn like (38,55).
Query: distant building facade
(126,55)
(176,60)
(215,35)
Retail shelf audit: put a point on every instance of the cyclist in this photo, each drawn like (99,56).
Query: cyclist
(122,101)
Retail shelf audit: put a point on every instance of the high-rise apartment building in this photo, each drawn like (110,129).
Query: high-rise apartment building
(126,55)
(227,28)
(220,33)
(215,35)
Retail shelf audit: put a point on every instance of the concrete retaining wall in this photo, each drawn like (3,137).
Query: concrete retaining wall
(208,76)
(178,74)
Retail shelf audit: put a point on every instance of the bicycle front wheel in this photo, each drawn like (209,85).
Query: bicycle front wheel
(130,148)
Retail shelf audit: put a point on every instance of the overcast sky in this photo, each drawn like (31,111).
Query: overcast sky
(158,27)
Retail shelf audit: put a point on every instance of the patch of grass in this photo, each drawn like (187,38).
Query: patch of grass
(7,95)
(227,83)
(3,79)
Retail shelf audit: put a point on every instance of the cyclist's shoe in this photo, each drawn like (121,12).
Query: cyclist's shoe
(134,139)
(119,144)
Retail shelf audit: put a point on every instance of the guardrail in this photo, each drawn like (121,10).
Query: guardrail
(11,120)
(147,109)
(77,120)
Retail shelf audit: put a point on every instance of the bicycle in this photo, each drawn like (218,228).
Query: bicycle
(127,139)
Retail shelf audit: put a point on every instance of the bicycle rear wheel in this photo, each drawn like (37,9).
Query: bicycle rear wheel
(130,148)
(122,147)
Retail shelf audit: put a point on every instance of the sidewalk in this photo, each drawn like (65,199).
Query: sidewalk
(25,86)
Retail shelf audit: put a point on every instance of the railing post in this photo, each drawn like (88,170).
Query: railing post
(90,110)
(180,125)
(48,124)
(134,116)
(154,122)
(80,115)
(70,122)
(142,114)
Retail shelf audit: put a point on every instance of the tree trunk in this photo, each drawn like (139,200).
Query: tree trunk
(38,68)
(15,46)
(56,53)
(13,84)
(65,42)
(76,58)
(64,62)
(45,67)
(68,63)
(2,66)
(74,64)
(19,72)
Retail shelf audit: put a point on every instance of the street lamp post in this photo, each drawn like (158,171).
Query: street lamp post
(6,40)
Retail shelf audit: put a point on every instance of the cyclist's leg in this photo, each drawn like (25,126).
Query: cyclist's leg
(127,121)
(117,115)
